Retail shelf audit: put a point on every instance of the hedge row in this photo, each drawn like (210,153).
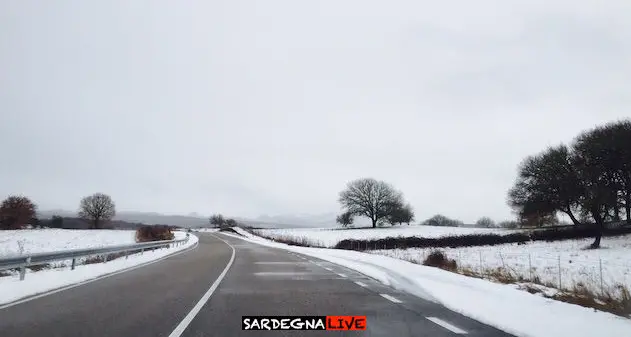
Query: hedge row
(471,240)
(154,233)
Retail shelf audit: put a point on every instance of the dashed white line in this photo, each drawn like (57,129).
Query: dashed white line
(327,268)
(447,325)
(342,275)
(391,298)
(361,284)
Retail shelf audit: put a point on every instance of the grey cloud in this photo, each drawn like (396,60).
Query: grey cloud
(251,107)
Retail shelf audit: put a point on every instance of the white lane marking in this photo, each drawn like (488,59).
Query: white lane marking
(282,273)
(342,275)
(447,325)
(391,298)
(361,284)
(279,262)
(54,291)
(179,329)
(327,268)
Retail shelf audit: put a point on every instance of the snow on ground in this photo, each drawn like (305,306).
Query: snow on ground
(577,263)
(12,289)
(206,230)
(514,311)
(25,241)
(327,237)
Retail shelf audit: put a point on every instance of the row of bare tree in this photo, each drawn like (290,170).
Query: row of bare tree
(589,180)
(16,212)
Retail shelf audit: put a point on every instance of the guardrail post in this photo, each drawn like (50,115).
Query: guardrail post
(23,269)
(74,263)
(142,250)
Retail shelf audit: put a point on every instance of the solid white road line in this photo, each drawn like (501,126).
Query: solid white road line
(179,329)
(361,284)
(447,325)
(54,291)
(390,298)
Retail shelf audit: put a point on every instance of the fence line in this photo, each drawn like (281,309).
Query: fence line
(557,271)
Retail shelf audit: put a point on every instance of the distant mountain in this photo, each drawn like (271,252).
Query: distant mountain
(148,218)
(194,220)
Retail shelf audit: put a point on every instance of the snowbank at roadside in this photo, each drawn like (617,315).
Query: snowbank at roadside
(12,289)
(514,311)
(31,241)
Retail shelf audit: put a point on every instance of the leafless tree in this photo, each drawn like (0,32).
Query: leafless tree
(441,220)
(399,214)
(485,222)
(217,220)
(16,211)
(370,198)
(97,208)
(345,219)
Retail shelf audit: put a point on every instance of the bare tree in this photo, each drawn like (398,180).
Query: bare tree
(231,223)
(370,198)
(547,183)
(217,220)
(16,211)
(441,220)
(345,219)
(399,214)
(97,208)
(592,177)
(485,222)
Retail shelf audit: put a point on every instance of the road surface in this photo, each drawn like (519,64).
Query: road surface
(169,299)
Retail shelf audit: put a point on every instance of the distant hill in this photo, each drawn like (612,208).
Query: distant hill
(131,219)
(77,223)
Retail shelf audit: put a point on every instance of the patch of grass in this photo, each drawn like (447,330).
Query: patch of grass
(110,257)
(39,267)
(615,300)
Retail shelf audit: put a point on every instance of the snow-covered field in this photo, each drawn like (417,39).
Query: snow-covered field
(327,237)
(577,264)
(18,242)
(500,305)
(12,289)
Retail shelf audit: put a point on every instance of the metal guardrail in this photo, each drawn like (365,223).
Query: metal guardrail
(27,260)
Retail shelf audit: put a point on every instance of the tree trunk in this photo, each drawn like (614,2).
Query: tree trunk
(599,230)
(374,223)
(96,224)
(627,207)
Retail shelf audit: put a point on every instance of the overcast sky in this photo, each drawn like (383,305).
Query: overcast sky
(271,107)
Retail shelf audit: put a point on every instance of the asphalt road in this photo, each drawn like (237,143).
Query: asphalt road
(168,299)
